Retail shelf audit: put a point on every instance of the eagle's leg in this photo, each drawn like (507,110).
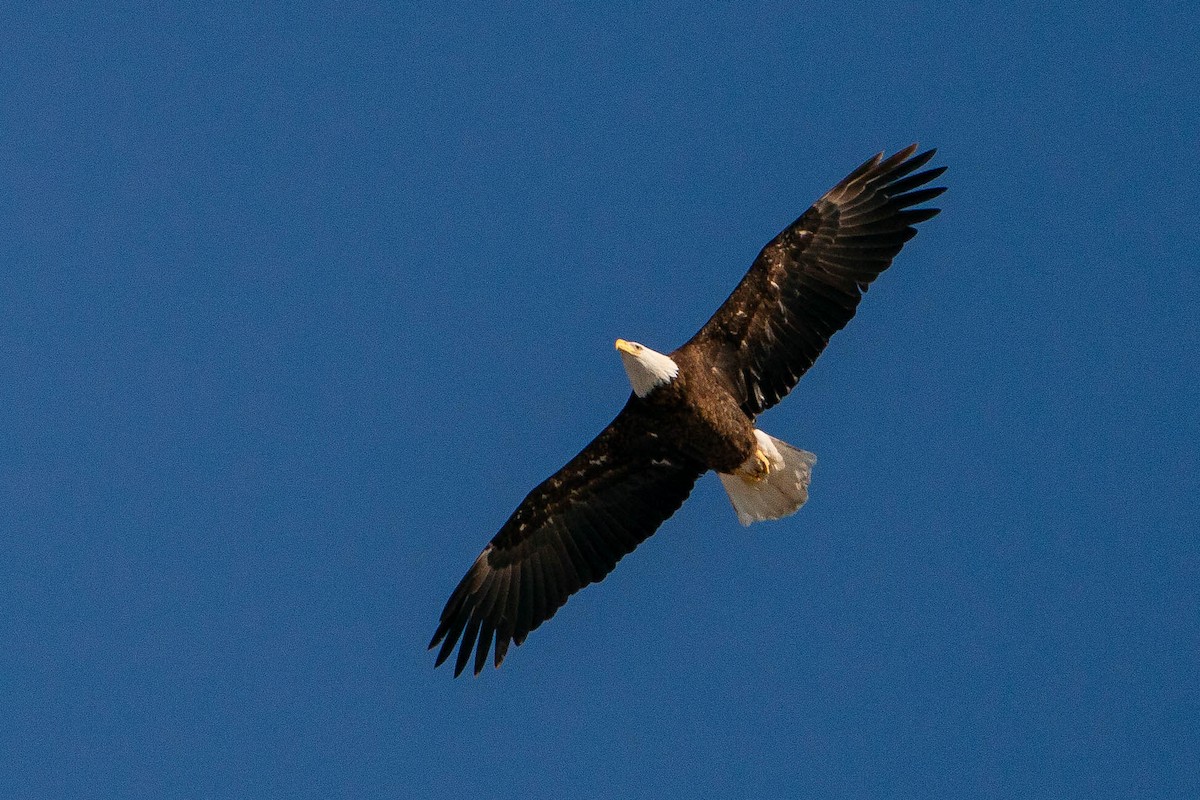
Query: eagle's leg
(756,468)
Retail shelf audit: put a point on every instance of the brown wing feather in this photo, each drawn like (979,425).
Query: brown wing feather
(806,283)
(570,531)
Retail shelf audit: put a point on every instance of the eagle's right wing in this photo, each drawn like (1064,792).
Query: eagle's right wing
(570,531)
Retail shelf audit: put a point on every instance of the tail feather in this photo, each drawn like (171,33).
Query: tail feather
(781,492)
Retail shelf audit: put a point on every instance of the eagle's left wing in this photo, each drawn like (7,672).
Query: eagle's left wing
(806,283)
(570,531)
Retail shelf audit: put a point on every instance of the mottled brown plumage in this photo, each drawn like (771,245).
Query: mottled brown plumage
(573,528)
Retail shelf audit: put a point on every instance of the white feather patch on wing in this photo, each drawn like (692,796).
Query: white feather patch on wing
(778,495)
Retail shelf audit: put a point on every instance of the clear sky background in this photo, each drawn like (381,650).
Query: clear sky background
(296,304)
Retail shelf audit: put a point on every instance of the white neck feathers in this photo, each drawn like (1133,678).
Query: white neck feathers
(646,368)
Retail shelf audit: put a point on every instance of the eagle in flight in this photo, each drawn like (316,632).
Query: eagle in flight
(693,411)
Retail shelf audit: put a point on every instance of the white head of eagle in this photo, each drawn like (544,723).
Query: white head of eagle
(647,369)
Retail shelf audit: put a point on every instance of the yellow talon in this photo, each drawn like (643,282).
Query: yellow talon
(759,470)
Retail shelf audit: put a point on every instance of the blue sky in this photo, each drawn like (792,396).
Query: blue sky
(298,303)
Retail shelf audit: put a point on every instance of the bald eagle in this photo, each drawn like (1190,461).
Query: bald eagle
(693,411)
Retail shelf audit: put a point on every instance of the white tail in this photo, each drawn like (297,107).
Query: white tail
(781,492)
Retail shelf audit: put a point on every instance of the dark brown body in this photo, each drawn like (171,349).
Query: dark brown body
(699,415)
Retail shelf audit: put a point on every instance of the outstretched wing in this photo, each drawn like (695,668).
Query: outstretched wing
(806,283)
(570,531)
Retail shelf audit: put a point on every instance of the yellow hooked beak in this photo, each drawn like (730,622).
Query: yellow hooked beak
(626,347)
